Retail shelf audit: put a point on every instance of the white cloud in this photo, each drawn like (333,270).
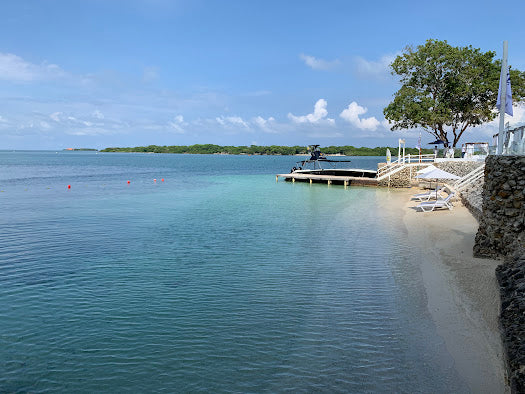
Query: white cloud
(97,114)
(257,93)
(4,124)
(318,116)
(88,131)
(386,124)
(45,125)
(261,122)
(351,115)
(374,69)
(266,125)
(324,134)
(229,121)
(55,116)
(14,68)
(318,64)
(177,124)
(487,130)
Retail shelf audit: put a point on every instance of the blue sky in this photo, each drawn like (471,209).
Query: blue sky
(126,73)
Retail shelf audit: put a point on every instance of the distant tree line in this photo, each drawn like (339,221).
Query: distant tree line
(347,150)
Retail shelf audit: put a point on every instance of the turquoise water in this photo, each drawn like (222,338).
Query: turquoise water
(218,279)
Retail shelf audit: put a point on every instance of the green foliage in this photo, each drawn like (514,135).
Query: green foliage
(447,89)
(263,150)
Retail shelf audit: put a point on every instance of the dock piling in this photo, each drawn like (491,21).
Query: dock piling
(329,179)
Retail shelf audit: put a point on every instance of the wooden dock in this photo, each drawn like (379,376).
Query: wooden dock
(329,179)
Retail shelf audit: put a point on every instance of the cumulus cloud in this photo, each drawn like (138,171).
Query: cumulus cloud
(55,116)
(352,113)
(261,122)
(14,68)
(178,123)
(374,69)
(75,123)
(487,130)
(266,125)
(318,64)
(319,115)
(228,121)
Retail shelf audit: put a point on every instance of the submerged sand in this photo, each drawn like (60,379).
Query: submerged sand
(462,291)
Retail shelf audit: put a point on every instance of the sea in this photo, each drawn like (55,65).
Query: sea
(136,272)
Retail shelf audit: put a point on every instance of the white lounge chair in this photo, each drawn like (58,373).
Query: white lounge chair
(433,194)
(428,206)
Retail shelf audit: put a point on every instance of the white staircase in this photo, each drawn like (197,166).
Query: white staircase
(403,162)
(474,176)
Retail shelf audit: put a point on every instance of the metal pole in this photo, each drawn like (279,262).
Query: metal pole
(503,96)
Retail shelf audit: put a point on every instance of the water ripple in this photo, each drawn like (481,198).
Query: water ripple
(232,284)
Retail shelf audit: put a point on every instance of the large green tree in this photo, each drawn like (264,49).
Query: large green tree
(447,89)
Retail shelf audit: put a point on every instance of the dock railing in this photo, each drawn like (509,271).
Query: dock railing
(402,162)
(470,178)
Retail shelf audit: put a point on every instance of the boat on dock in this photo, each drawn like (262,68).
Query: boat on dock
(320,168)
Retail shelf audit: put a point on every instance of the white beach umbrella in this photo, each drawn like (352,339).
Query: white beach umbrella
(436,174)
(426,169)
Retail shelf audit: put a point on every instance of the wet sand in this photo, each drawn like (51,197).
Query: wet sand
(462,291)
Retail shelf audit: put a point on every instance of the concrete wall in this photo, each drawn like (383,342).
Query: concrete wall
(502,223)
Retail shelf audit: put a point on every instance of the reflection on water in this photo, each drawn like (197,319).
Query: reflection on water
(218,279)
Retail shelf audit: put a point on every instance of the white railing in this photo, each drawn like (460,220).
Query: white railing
(410,159)
(513,141)
(470,178)
(403,162)
(389,169)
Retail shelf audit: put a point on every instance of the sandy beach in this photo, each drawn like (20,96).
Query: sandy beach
(462,291)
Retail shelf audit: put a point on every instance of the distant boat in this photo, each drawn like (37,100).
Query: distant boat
(319,164)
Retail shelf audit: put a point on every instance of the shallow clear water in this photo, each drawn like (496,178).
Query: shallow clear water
(218,279)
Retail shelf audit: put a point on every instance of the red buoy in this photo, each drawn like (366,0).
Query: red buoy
(154,180)
(69,186)
(162,179)
(128,182)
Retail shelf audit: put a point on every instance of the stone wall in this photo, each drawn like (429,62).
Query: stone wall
(511,279)
(471,195)
(399,179)
(502,226)
(459,168)
(406,177)
(472,198)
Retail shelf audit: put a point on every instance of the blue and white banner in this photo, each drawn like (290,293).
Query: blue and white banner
(508,96)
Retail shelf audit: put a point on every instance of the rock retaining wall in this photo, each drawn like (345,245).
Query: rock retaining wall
(406,177)
(399,179)
(511,279)
(472,198)
(459,168)
(502,226)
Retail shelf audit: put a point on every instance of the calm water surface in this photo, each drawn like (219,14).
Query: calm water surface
(218,279)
